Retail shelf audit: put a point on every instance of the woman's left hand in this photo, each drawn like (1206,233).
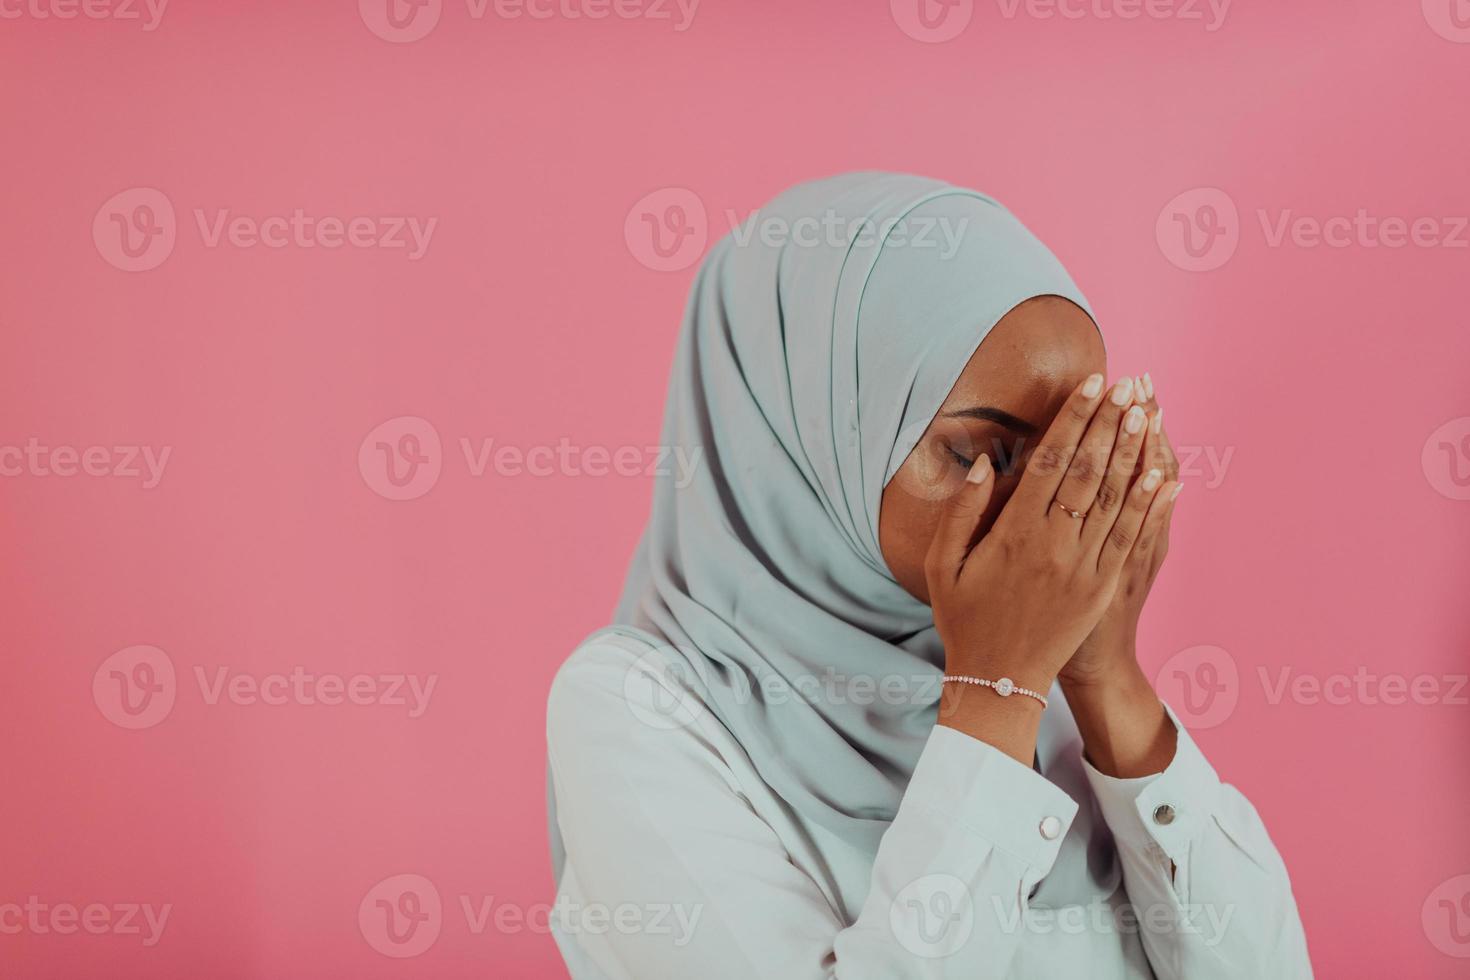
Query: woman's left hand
(1109,651)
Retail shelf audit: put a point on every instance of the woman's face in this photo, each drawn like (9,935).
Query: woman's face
(1009,392)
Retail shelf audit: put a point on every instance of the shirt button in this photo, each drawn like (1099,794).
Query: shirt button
(1163,814)
(1051,828)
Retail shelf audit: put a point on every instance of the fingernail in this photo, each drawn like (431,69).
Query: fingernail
(1123,392)
(1178,489)
(1148,385)
(1151,482)
(1158,421)
(1133,421)
(980,470)
(1092,385)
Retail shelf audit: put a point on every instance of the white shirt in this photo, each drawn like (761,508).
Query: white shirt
(682,863)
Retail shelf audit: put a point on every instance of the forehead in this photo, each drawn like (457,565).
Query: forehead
(1038,352)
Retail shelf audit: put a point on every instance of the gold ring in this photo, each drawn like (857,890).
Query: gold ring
(1076,514)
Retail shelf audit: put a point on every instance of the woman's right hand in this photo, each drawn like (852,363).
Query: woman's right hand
(1020,601)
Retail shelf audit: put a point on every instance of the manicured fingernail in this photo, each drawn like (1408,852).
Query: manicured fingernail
(1151,482)
(1148,385)
(1133,421)
(1123,392)
(1178,489)
(980,470)
(1158,421)
(1092,385)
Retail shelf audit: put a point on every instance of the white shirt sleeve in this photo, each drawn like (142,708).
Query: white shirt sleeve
(1210,891)
(651,819)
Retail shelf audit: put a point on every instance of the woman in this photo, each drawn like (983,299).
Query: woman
(754,774)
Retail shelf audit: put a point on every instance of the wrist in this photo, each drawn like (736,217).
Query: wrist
(1125,730)
(1010,724)
(1027,674)
(1117,678)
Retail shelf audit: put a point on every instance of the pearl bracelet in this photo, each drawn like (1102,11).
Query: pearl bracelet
(1005,687)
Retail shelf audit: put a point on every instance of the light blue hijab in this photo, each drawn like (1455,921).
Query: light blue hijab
(818,342)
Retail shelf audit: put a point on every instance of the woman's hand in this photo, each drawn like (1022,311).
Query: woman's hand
(1125,731)
(1110,649)
(1021,601)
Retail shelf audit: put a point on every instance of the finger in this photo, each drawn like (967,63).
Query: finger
(1159,451)
(958,523)
(1048,463)
(1115,546)
(1143,392)
(1084,475)
(1160,513)
(1118,475)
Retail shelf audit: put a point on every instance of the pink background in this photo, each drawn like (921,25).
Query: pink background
(1334,541)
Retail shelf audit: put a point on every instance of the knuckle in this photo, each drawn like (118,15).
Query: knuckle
(1048,460)
(1120,537)
(1084,467)
(1108,496)
(1079,411)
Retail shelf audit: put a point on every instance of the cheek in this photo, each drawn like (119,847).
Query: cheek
(912,505)
(930,473)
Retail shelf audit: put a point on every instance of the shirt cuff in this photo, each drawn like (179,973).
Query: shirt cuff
(977,786)
(1170,809)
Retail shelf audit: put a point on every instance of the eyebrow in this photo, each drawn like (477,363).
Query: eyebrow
(986,413)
